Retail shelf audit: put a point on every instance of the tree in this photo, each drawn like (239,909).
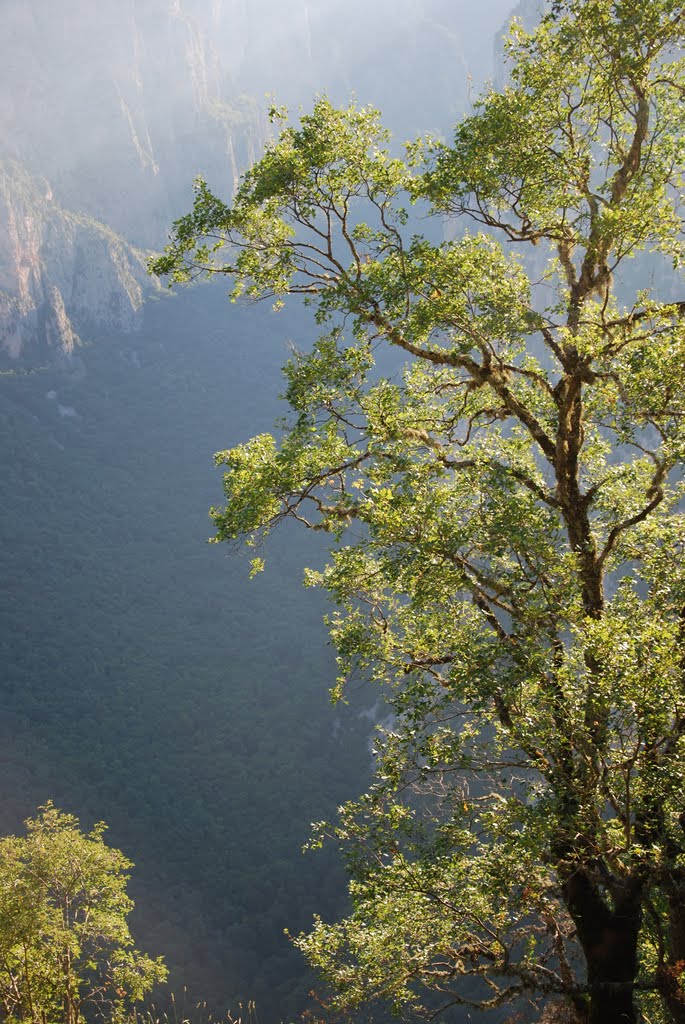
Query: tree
(506,518)
(66,953)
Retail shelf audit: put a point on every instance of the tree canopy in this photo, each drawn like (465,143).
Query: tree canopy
(66,953)
(506,511)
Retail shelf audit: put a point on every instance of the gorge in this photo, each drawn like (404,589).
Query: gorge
(145,681)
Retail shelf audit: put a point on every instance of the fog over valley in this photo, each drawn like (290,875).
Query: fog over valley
(145,680)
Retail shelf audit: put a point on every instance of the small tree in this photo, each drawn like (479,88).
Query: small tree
(507,511)
(66,953)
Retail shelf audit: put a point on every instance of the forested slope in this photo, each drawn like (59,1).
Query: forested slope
(147,681)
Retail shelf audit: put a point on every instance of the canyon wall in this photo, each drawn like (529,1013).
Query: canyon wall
(109,111)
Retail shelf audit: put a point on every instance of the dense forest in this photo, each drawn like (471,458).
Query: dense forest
(147,680)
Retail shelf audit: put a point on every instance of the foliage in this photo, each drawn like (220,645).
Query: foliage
(507,513)
(66,952)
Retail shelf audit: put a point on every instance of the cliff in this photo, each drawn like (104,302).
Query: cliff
(107,116)
(60,272)
(109,111)
(117,105)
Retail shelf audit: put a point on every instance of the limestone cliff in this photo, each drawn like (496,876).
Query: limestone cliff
(121,104)
(107,112)
(60,272)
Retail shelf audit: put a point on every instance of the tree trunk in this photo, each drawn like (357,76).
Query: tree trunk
(610,1003)
(671,991)
(609,940)
(611,968)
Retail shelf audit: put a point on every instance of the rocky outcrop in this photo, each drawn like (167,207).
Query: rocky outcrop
(61,273)
(120,105)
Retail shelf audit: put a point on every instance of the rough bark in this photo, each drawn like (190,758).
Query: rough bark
(671,989)
(609,937)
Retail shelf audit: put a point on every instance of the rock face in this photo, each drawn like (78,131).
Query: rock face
(117,104)
(60,272)
(109,110)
